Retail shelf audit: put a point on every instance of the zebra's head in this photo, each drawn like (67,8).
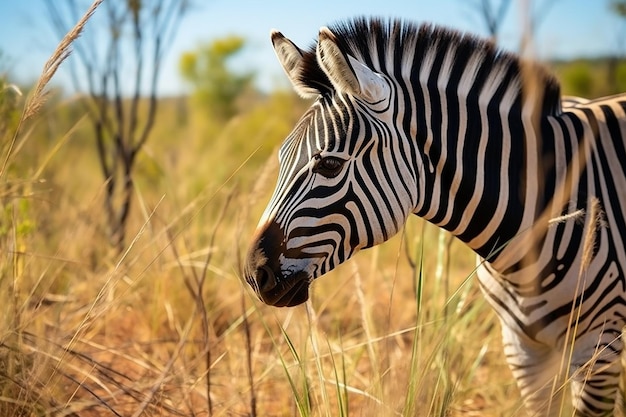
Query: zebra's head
(341,187)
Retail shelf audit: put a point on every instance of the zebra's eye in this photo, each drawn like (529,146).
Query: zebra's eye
(328,166)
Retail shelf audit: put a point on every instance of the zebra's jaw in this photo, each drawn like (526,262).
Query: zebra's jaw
(266,271)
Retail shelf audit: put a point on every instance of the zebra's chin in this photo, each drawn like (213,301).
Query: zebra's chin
(289,292)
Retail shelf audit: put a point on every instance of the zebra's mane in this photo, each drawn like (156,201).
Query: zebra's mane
(371,38)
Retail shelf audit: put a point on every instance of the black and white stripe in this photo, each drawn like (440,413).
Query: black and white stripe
(419,119)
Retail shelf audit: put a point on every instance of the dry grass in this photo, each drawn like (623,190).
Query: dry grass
(37,98)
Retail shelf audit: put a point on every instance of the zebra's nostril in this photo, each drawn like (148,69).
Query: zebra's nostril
(265,278)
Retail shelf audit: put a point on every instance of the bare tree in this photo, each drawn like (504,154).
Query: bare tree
(618,7)
(493,12)
(115,69)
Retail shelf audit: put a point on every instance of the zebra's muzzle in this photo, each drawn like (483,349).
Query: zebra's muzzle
(265,274)
(278,292)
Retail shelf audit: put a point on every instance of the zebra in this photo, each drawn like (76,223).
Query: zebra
(420,119)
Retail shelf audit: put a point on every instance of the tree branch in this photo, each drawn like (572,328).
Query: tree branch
(139,29)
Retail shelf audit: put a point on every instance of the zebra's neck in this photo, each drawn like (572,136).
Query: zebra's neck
(488,167)
(477,116)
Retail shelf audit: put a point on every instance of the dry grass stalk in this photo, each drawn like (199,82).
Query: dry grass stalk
(596,221)
(39,94)
(577,215)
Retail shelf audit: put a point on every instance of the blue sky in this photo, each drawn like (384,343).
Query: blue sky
(571,28)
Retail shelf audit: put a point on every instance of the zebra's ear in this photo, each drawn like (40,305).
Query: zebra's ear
(346,72)
(291,59)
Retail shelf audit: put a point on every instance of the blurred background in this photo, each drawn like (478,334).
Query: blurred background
(133,171)
(562,30)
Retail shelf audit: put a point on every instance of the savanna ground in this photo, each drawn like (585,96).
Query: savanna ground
(168,327)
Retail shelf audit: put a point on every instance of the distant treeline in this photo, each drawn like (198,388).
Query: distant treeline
(591,78)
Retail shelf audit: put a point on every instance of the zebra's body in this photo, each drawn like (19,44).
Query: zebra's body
(424,120)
